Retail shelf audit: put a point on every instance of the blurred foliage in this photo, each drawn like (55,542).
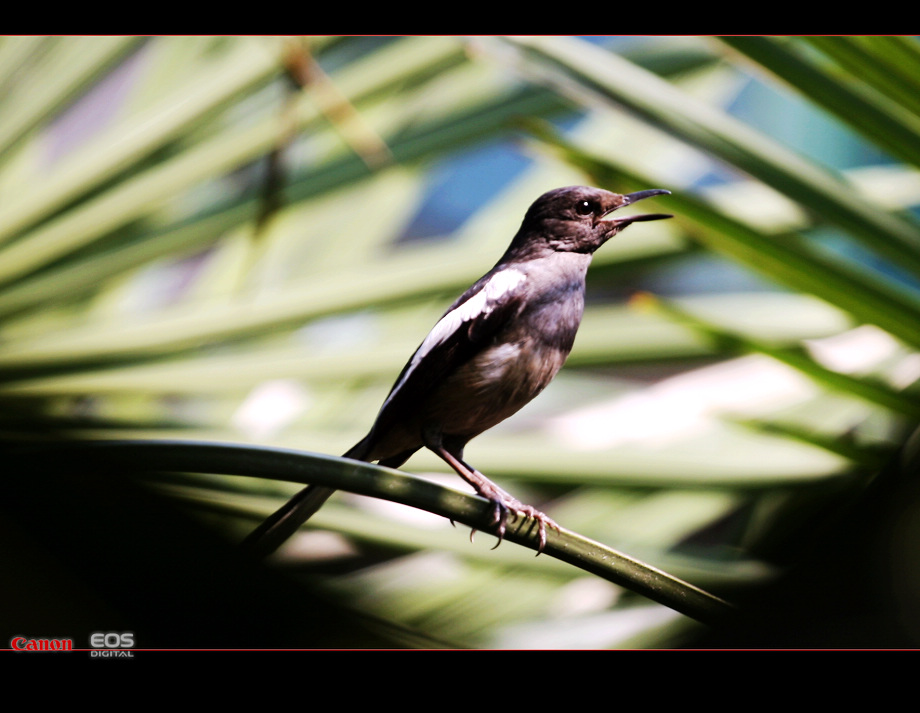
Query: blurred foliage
(243,239)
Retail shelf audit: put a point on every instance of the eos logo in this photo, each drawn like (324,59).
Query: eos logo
(110,644)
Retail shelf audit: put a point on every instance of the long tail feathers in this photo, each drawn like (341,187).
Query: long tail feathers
(285,521)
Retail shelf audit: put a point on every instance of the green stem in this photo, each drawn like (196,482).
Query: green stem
(380,482)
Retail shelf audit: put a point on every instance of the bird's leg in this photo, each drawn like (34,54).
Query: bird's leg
(502,502)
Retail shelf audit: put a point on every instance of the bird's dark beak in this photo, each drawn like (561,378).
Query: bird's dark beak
(630,198)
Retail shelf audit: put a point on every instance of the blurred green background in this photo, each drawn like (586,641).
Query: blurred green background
(243,239)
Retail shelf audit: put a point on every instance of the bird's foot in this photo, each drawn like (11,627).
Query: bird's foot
(505,508)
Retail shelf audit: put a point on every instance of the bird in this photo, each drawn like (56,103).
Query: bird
(494,349)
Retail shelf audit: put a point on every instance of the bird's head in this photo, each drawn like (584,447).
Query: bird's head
(578,219)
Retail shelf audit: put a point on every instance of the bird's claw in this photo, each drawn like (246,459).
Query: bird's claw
(504,508)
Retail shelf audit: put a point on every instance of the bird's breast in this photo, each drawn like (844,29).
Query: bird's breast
(503,377)
(492,386)
(516,363)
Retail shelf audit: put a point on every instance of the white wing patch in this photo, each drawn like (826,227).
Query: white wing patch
(481,303)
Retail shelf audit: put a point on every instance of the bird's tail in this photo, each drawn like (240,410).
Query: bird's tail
(285,521)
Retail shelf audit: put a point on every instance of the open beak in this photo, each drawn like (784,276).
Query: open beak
(631,198)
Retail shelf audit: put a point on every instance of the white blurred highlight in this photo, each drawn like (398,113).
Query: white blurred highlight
(269,407)
(686,405)
(854,351)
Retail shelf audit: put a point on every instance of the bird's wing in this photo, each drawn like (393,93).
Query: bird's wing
(467,326)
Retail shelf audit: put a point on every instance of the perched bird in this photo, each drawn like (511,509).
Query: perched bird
(493,351)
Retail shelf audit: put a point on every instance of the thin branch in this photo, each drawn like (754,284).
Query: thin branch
(388,484)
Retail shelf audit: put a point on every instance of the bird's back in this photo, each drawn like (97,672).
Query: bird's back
(513,345)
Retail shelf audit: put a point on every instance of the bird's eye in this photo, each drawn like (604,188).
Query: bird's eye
(585,207)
